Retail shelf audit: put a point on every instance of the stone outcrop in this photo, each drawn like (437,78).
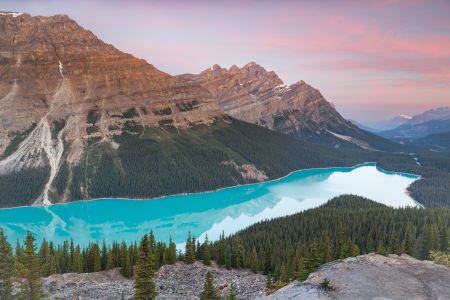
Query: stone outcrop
(179,281)
(374,276)
(369,276)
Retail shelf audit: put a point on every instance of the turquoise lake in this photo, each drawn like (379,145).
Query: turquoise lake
(228,210)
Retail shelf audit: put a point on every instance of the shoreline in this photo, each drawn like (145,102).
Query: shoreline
(368,163)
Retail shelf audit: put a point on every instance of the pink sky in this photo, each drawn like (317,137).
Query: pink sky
(372,59)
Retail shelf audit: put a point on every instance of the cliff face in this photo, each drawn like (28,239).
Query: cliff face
(258,96)
(52,67)
(61,85)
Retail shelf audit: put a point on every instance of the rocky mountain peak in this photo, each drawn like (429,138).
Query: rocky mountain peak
(255,95)
(62,87)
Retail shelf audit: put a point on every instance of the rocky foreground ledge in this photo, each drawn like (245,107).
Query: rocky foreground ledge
(369,276)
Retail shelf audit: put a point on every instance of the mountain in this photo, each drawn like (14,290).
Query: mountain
(62,87)
(364,127)
(428,123)
(390,123)
(258,96)
(435,141)
(79,119)
(440,113)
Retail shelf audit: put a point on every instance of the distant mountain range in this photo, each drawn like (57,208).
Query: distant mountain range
(80,119)
(389,123)
(428,129)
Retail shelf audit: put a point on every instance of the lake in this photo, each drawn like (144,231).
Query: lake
(228,209)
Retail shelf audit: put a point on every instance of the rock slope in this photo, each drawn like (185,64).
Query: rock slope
(364,277)
(374,277)
(179,281)
(258,96)
(61,86)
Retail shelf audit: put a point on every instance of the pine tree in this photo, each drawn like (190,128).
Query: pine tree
(125,265)
(189,255)
(283,275)
(172,252)
(340,242)
(380,249)
(221,256)
(228,258)
(237,253)
(206,255)
(29,269)
(71,256)
(254,260)
(96,258)
(7,268)
(312,259)
(209,292)
(355,251)
(302,272)
(104,255)
(443,239)
(325,248)
(269,283)
(231,293)
(394,246)
(408,243)
(19,249)
(145,287)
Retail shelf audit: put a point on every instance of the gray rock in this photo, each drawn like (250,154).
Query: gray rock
(369,276)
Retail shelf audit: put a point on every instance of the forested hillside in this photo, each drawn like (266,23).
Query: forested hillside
(286,248)
(291,247)
(161,161)
(433,188)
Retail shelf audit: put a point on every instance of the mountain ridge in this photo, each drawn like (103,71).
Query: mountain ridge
(255,95)
(78,115)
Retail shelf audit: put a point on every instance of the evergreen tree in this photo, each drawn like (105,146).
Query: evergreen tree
(31,288)
(408,244)
(172,252)
(380,249)
(221,255)
(269,283)
(96,258)
(7,268)
(231,293)
(326,247)
(228,258)
(189,255)
(209,292)
(340,242)
(302,271)
(254,260)
(237,253)
(104,255)
(206,255)
(125,265)
(312,259)
(145,287)
(19,249)
(283,274)
(394,246)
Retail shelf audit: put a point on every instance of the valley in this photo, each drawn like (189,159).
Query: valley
(121,181)
(204,214)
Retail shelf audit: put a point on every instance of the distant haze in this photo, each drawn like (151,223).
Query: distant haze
(372,59)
